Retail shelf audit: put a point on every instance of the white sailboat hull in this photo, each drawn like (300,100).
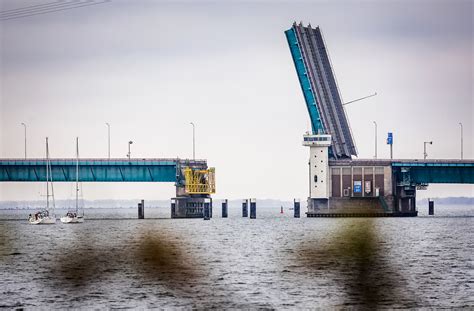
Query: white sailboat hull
(42,221)
(72,220)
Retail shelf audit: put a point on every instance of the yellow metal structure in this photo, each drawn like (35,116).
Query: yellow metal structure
(199,181)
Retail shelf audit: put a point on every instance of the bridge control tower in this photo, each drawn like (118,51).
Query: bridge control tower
(318,170)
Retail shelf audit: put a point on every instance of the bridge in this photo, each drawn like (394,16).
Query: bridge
(194,181)
(337,181)
(335,177)
(420,172)
(98,170)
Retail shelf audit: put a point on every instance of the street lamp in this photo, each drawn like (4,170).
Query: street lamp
(461,140)
(424,148)
(24,125)
(128,155)
(194,141)
(375,123)
(108,135)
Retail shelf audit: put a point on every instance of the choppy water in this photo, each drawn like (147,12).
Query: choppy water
(275,261)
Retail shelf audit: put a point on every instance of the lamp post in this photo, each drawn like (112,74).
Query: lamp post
(128,155)
(194,140)
(461,140)
(108,136)
(24,125)
(375,123)
(424,148)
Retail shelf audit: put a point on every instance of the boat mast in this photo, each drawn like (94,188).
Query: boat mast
(47,176)
(77,174)
(50,174)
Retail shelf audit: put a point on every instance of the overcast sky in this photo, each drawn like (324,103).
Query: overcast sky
(151,67)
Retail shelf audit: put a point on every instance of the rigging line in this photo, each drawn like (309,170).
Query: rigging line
(31,6)
(64,9)
(43,8)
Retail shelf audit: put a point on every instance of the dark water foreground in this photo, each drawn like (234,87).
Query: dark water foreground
(274,261)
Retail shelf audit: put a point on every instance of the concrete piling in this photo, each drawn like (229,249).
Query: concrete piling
(430,207)
(253,208)
(296,208)
(245,212)
(224,208)
(141,210)
(207,209)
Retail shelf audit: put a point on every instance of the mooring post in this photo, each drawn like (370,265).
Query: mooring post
(140,210)
(224,208)
(207,206)
(245,212)
(253,208)
(430,207)
(296,207)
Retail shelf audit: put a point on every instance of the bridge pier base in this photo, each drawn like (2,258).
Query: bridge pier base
(406,199)
(365,188)
(191,206)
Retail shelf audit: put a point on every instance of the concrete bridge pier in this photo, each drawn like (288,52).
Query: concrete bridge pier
(405,200)
(189,205)
(194,185)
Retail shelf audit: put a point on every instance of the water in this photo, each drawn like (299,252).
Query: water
(274,261)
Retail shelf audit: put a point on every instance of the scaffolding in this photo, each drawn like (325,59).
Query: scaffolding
(199,181)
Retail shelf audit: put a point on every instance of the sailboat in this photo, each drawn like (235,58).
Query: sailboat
(44,217)
(73,217)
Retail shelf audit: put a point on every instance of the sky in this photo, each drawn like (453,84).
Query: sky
(149,68)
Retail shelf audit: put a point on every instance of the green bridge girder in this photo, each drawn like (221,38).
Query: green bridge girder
(97,170)
(432,171)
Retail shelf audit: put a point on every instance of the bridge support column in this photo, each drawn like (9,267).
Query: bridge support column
(191,206)
(207,209)
(406,199)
